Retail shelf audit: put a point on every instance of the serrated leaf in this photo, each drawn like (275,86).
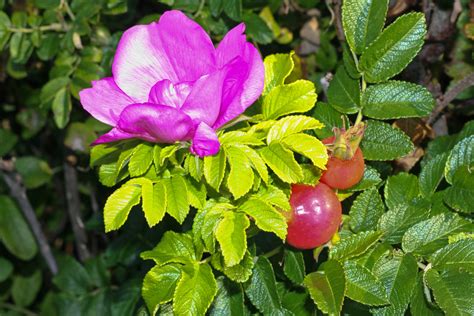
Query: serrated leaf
(240,179)
(456,256)
(296,97)
(370,178)
(257,162)
(196,193)
(195,291)
(328,116)
(266,217)
(230,233)
(173,247)
(292,125)
(241,138)
(372,255)
(431,174)
(366,210)
(391,52)
(384,142)
(274,196)
(363,21)
(354,245)
(241,272)
(141,159)
(363,286)
(293,266)
(344,92)
(177,204)
(229,299)
(396,99)
(426,237)
(154,203)
(119,204)
(401,189)
(461,155)
(327,287)
(159,285)
(211,219)
(452,291)
(282,162)
(398,275)
(460,196)
(214,169)
(194,165)
(419,305)
(308,146)
(277,68)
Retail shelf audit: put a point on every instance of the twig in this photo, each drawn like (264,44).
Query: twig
(18,309)
(443,101)
(74,211)
(13,181)
(336,16)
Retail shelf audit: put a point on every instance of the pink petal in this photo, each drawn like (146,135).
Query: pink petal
(104,101)
(205,141)
(231,45)
(114,135)
(176,48)
(166,93)
(156,123)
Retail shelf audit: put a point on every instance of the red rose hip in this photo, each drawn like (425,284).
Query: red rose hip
(316,216)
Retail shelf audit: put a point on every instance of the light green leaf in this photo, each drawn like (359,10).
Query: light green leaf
(293,266)
(230,233)
(292,125)
(452,291)
(141,159)
(154,202)
(214,169)
(196,193)
(277,68)
(327,287)
(229,299)
(194,165)
(308,146)
(266,217)
(431,174)
(257,162)
(4,32)
(460,196)
(354,245)
(328,116)
(461,155)
(241,138)
(384,142)
(296,97)
(344,92)
(366,210)
(363,21)
(274,196)
(165,153)
(456,256)
(195,291)
(401,189)
(241,272)
(397,99)
(119,204)
(240,179)
(363,286)
(173,247)
(282,162)
(177,204)
(426,237)
(391,52)
(159,285)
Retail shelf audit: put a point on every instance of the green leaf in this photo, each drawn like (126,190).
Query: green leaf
(177,204)
(384,142)
(349,62)
(282,162)
(233,9)
(241,272)
(6,269)
(229,299)
(9,141)
(214,169)
(461,155)
(327,287)
(366,210)
(308,146)
(141,159)
(119,204)
(154,202)
(456,256)
(194,165)
(372,255)
(262,289)
(216,7)
(363,286)
(370,178)
(257,162)
(49,90)
(62,107)
(173,247)
(452,291)
(15,234)
(426,237)
(363,21)
(328,116)
(25,288)
(50,46)
(195,291)
(240,138)
(401,189)
(277,68)
(431,175)
(293,266)
(419,305)
(344,92)
(398,275)
(461,195)
(47,4)
(354,245)
(397,99)
(159,285)
(391,52)
(296,97)
(266,217)
(34,172)
(274,196)
(291,125)
(240,179)
(72,278)
(4,32)
(230,233)
(196,193)
(257,29)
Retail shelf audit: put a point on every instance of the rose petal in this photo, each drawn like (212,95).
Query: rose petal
(166,93)
(205,141)
(104,101)
(114,135)
(157,123)
(176,48)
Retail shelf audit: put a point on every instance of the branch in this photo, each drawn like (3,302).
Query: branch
(17,191)
(336,17)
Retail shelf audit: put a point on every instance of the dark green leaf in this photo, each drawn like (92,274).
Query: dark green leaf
(401,189)
(293,266)
(366,210)
(461,195)
(458,255)
(256,28)
(9,141)
(229,299)
(6,269)
(327,115)
(431,175)
(26,288)
(34,172)
(233,9)
(461,155)
(363,286)
(344,92)
(354,245)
